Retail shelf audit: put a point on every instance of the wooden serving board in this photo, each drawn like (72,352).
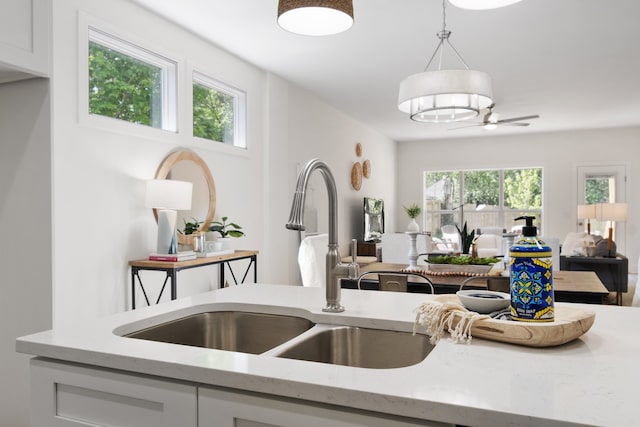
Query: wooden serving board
(569,324)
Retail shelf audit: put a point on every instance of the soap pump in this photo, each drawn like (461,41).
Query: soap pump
(531,276)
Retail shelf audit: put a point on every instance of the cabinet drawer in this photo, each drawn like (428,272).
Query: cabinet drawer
(69,395)
(224,408)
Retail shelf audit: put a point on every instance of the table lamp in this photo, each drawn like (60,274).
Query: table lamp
(168,196)
(587,212)
(611,212)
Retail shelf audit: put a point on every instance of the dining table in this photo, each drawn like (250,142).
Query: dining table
(569,286)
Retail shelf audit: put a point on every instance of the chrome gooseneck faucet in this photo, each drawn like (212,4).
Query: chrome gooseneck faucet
(334,268)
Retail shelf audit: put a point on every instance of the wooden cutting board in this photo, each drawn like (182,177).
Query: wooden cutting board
(569,324)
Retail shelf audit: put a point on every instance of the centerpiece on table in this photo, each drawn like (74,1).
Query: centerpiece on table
(460,264)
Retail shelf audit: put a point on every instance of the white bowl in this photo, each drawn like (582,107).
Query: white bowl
(484,301)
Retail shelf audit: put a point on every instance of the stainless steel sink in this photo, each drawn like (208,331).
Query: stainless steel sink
(362,347)
(228,330)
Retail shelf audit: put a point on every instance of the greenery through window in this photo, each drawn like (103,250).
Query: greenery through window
(598,189)
(218,111)
(129,83)
(481,198)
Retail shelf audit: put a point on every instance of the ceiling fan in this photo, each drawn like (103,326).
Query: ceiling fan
(492,120)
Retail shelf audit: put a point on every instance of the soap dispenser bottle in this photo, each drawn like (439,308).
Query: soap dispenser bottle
(531,280)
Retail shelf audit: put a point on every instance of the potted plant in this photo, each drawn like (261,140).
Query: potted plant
(413,210)
(191,228)
(466,238)
(226,230)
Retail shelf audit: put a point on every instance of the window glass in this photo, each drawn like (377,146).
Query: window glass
(129,83)
(442,196)
(523,188)
(218,111)
(481,198)
(598,189)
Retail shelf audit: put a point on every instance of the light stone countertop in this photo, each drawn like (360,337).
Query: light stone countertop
(591,381)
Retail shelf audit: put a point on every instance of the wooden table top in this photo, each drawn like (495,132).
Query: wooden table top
(146,263)
(563,280)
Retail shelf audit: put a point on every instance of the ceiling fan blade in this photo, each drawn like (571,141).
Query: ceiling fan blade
(513,124)
(517,119)
(468,126)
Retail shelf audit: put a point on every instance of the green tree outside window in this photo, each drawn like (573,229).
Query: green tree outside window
(123,87)
(213,114)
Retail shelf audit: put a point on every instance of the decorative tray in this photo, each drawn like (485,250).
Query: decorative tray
(569,324)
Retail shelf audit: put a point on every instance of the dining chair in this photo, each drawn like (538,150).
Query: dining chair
(393,282)
(401,283)
(494,283)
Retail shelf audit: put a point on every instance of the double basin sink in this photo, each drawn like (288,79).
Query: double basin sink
(292,337)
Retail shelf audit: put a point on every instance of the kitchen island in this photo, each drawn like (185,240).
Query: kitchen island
(590,381)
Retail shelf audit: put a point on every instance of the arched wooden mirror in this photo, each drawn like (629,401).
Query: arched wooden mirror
(185,165)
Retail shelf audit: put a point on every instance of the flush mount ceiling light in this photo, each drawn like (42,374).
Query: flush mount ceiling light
(482,4)
(445,95)
(315,17)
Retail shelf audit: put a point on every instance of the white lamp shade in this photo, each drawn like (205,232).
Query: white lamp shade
(168,194)
(445,95)
(481,4)
(586,211)
(611,211)
(315,17)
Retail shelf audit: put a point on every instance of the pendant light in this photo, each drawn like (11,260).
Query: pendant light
(315,17)
(482,4)
(448,95)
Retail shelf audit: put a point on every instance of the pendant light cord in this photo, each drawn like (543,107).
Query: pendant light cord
(444,36)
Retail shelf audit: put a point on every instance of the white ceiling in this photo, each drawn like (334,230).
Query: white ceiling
(576,63)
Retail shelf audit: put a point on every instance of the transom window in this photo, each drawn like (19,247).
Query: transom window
(481,198)
(219,111)
(130,83)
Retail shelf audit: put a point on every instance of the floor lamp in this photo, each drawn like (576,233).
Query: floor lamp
(168,196)
(611,212)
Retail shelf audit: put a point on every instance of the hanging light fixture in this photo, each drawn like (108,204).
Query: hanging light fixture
(315,17)
(482,4)
(445,95)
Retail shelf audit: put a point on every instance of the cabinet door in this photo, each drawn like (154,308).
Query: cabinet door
(24,38)
(69,395)
(222,408)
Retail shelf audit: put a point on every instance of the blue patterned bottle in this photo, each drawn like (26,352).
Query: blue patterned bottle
(531,277)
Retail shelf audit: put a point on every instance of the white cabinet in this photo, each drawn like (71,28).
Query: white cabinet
(222,408)
(24,39)
(69,395)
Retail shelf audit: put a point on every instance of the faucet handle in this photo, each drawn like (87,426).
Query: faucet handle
(354,268)
(354,251)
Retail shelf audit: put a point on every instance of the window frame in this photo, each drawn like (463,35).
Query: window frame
(239,108)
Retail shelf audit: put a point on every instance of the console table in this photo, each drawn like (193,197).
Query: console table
(172,268)
(613,272)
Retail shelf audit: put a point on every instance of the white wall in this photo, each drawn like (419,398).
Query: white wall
(100,165)
(317,130)
(559,154)
(25,231)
